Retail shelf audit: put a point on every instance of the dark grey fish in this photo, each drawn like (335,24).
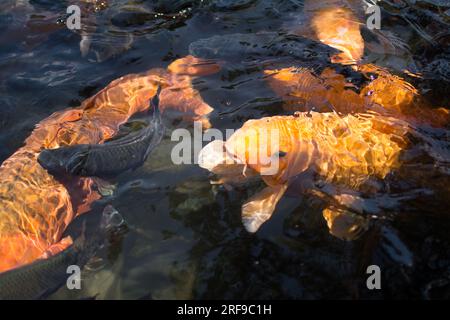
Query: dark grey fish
(269,44)
(110,158)
(40,279)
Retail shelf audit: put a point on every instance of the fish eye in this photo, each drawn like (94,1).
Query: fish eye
(372,76)
(280,154)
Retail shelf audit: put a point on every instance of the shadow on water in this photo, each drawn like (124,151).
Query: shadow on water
(185,238)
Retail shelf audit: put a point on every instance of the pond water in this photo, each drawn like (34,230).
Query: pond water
(185,238)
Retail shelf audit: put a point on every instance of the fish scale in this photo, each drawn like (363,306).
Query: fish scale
(312,141)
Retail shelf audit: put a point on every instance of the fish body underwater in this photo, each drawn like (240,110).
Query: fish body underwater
(110,158)
(336,23)
(41,278)
(352,145)
(340,149)
(389,95)
(310,66)
(245,46)
(35,207)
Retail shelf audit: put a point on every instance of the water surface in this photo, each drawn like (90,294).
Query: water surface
(185,238)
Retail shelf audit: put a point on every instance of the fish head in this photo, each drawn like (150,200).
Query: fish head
(263,145)
(64,160)
(111,219)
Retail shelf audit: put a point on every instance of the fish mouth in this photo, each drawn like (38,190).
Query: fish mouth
(50,162)
(235,158)
(111,218)
(216,154)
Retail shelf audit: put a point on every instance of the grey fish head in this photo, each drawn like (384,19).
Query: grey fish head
(64,160)
(111,219)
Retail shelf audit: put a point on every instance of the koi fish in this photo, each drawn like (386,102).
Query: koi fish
(42,277)
(384,93)
(335,23)
(346,152)
(35,207)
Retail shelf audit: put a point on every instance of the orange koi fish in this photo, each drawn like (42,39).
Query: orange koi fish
(387,94)
(344,153)
(335,23)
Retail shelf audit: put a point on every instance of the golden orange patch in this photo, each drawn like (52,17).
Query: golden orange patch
(346,149)
(340,29)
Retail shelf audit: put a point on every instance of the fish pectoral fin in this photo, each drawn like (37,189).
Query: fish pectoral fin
(58,247)
(261,206)
(344,224)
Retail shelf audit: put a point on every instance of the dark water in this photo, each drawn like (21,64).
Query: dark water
(185,238)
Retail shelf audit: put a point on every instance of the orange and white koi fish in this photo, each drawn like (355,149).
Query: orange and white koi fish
(342,152)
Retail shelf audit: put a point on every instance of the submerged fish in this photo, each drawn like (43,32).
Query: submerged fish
(251,48)
(335,23)
(400,98)
(303,90)
(44,276)
(36,208)
(383,92)
(338,23)
(348,152)
(339,28)
(110,158)
(34,21)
